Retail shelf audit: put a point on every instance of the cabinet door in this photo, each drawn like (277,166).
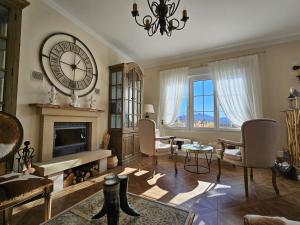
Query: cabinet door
(136,144)
(136,99)
(116,98)
(128,146)
(128,100)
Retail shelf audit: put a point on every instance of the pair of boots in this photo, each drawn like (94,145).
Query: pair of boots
(115,197)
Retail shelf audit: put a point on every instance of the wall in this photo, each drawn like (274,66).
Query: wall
(277,77)
(40,20)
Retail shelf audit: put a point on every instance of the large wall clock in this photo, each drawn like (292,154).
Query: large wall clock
(68,64)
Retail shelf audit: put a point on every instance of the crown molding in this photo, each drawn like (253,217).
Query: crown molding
(86,28)
(225,49)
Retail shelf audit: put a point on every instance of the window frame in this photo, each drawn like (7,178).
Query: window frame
(190,109)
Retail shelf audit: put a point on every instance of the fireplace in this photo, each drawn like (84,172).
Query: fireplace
(70,138)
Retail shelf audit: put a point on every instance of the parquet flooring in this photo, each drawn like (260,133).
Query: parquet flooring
(214,203)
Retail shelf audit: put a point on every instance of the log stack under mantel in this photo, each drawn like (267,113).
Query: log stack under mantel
(80,174)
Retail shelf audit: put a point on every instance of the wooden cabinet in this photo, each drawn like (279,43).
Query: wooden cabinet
(10,33)
(125,109)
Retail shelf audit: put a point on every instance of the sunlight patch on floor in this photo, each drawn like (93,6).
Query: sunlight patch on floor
(141,173)
(215,193)
(153,180)
(155,193)
(202,188)
(128,170)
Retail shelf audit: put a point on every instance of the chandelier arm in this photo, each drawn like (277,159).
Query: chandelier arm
(137,22)
(151,7)
(181,27)
(174,8)
(154,21)
(150,20)
(154,27)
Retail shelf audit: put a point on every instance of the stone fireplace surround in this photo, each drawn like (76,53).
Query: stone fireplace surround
(53,167)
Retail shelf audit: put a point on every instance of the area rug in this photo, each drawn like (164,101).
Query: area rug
(152,213)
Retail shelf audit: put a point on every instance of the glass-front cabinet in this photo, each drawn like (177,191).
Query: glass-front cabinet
(125,102)
(10,33)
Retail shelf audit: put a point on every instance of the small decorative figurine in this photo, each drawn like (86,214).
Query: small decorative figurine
(74,100)
(52,96)
(294,98)
(115,197)
(92,102)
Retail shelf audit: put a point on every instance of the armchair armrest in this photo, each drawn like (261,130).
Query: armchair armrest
(225,142)
(161,138)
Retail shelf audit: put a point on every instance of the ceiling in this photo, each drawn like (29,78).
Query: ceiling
(213,24)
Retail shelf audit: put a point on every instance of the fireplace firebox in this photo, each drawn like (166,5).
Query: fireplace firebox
(70,138)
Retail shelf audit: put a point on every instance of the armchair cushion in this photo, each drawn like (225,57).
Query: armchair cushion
(161,147)
(233,154)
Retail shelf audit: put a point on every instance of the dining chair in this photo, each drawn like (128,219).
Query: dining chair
(153,145)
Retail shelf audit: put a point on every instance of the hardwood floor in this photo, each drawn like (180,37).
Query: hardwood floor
(222,203)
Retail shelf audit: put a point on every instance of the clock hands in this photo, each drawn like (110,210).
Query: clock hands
(78,62)
(73,66)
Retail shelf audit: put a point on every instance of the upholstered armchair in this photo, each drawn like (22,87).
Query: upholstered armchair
(267,220)
(257,149)
(152,145)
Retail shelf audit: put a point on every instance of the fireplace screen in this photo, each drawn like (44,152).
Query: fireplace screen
(70,138)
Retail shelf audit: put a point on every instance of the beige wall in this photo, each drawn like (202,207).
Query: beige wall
(276,76)
(40,20)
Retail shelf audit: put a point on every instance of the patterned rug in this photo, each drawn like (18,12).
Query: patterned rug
(152,213)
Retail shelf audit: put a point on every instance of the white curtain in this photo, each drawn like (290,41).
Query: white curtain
(173,86)
(237,84)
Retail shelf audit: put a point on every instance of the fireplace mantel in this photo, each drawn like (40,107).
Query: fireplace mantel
(48,109)
(49,114)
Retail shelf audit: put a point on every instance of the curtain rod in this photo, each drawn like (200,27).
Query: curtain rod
(205,64)
(238,56)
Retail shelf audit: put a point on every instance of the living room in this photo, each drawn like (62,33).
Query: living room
(95,93)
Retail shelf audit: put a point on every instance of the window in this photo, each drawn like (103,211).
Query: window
(204,111)
(203,104)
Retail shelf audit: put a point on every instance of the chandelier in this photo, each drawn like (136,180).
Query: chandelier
(162,12)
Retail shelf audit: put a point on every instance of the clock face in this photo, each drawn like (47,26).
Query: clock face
(68,64)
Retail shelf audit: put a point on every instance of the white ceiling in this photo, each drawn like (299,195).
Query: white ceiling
(213,24)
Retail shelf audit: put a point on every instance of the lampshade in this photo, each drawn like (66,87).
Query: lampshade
(148,108)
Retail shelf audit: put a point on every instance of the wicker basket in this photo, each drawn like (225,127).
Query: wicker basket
(112,162)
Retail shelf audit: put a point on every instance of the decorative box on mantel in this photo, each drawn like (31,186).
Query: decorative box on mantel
(293,130)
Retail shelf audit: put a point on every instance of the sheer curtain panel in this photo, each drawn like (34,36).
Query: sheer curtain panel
(173,85)
(237,83)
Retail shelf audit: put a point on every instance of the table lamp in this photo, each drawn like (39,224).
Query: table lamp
(148,108)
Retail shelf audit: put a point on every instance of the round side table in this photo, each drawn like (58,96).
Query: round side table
(197,149)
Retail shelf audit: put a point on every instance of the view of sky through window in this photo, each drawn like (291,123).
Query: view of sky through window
(204,115)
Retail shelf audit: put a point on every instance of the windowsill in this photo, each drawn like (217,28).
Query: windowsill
(202,130)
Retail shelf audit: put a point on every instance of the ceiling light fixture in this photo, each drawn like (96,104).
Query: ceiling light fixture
(162,11)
